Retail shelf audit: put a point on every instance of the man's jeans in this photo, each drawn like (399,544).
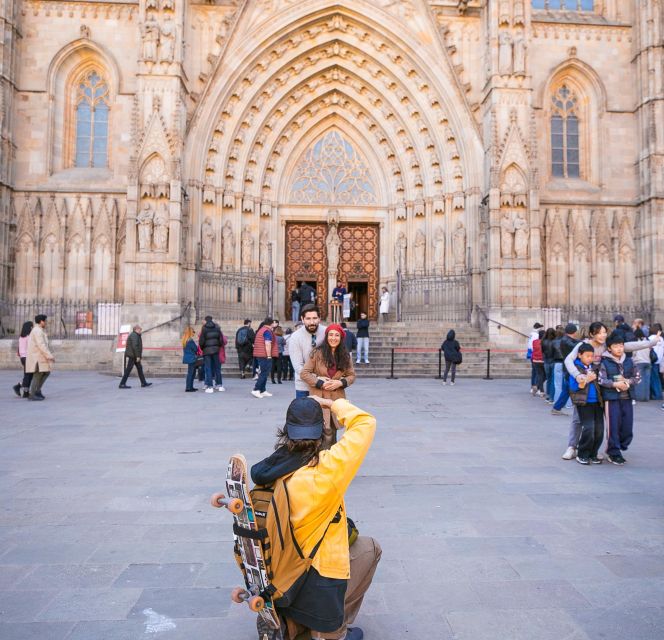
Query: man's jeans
(295,312)
(212,370)
(301,394)
(265,365)
(550,385)
(363,349)
(563,398)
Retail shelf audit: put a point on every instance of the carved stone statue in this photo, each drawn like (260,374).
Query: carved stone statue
(333,244)
(247,246)
(160,235)
(506,235)
(228,244)
(439,248)
(167,41)
(144,221)
(505,54)
(521,236)
(207,239)
(400,251)
(520,56)
(264,250)
(150,33)
(419,251)
(460,245)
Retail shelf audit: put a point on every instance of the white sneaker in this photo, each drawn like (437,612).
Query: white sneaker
(256,394)
(569,454)
(219,389)
(266,394)
(366,362)
(452,383)
(209,390)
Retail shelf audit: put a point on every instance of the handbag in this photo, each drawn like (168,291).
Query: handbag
(529,354)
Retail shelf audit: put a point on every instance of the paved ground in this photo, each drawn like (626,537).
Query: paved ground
(106,532)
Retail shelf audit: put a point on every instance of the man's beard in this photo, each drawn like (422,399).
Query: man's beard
(312,328)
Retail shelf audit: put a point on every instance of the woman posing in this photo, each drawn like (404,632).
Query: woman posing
(328,372)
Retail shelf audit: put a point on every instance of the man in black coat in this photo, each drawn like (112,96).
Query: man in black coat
(133,356)
(211,342)
(244,344)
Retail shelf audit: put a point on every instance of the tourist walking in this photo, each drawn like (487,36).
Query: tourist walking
(384,307)
(265,351)
(134,358)
(309,336)
(452,354)
(189,357)
(244,345)
(39,359)
(329,372)
(363,339)
(23,387)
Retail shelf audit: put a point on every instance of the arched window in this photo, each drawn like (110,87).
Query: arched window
(564,5)
(565,161)
(91,121)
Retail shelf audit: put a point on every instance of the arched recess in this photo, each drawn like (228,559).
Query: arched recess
(102,269)
(50,279)
(591,103)
(77,280)
(25,256)
(67,67)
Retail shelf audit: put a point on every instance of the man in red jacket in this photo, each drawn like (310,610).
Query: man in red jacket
(265,349)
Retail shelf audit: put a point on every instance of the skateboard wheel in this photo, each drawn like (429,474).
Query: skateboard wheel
(235,505)
(239,595)
(218,500)
(256,603)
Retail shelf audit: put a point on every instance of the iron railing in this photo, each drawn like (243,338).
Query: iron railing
(77,319)
(231,295)
(433,297)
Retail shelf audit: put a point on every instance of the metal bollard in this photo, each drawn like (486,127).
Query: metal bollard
(488,365)
(391,376)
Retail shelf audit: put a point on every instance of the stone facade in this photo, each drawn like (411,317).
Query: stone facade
(213,123)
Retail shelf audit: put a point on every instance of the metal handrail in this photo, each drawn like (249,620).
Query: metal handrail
(499,324)
(163,324)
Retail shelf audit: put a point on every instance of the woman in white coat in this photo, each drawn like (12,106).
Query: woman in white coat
(384,304)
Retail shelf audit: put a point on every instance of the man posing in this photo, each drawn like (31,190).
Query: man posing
(134,355)
(39,359)
(310,335)
(244,343)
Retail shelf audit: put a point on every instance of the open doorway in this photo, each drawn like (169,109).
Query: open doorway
(360,291)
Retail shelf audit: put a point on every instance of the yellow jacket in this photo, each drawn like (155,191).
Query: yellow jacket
(317,492)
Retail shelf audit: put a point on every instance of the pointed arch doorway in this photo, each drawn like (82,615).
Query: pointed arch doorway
(331,184)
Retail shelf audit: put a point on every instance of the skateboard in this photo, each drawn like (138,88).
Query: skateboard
(238,501)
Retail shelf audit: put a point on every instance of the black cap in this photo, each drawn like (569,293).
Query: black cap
(571,328)
(208,318)
(619,318)
(304,419)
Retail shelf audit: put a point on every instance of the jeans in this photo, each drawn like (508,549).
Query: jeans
(295,312)
(655,383)
(130,365)
(301,394)
(563,398)
(265,365)
(449,365)
(550,383)
(191,372)
(363,347)
(212,370)
(642,390)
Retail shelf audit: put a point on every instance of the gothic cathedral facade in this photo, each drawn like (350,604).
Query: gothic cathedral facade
(518,143)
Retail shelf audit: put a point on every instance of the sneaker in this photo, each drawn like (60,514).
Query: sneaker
(35,398)
(266,394)
(190,390)
(124,386)
(444,383)
(452,384)
(147,384)
(558,412)
(569,454)
(633,403)
(533,390)
(540,394)
(619,460)
(581,460)
(365,362)
(256,394)
(357,362)
(209,390)
(596,460)
(17,389)
(220,388)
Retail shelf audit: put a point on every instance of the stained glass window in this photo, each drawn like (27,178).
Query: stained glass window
(565,161)
(568,5)
(332,172)
(92,122)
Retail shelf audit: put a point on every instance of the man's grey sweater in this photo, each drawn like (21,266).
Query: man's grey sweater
(299,348)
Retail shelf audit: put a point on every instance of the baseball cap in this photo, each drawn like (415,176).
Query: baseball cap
(571,328)
(304,419)
(619,318)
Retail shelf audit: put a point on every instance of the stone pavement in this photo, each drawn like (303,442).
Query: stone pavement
(106,532)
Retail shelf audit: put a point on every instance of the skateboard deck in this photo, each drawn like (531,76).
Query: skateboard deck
(238,501)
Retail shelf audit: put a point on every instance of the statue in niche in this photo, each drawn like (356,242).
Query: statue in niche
(333,244)
(420,248)
(207,239)
(247,241)
(144,221)
(506,235)
(505,54)
(150,33)
(520,56)
(460,245)
(228,244)
(400,251)
(439,248)
(521,235)
(160,234)
(167,42)
(264,250)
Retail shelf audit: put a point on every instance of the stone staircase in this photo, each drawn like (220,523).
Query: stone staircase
(166,361)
